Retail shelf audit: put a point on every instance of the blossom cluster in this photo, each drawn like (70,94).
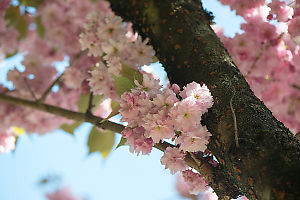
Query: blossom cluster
(62,22)
(195,182)
(70,27)
(94,41)
(154,114)
(268,54)
(33,121)
(106,36)
(161,114)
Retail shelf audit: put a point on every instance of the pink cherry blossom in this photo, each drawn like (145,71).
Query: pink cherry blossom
(134,105)
(182,187)
(101,82)
(195,181)
(137,141)
(294,25)
(195,140)
(158,126)
(7,142)
(150,84)
(185,115)
(173,159)
(104,109)
(73,77)
(166,99)
(200,95)
(175,88)
(143,53)
(242,7)
(62,194)
(281,10)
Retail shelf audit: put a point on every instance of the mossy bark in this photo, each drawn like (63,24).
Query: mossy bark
(266,165)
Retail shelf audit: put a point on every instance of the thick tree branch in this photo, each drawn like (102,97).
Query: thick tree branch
(267,163)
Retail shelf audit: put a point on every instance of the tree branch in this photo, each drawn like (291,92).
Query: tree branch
(95,120)
(77,116)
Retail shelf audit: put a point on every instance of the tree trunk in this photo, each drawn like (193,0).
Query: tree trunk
(258,157)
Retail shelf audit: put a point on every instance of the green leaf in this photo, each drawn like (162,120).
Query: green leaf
(83,102)
(11,54)
(122,142)
(115,106)
(32,3)
(155,59)
(40,29)
(101,141)
(123,84)
(16,143)
(70,128)
(11,14)
(97,100)
(18,21)
(131,73)
(22,27)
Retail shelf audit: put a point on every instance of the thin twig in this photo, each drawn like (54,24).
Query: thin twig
(254,63)
(28,85)
(29,88)
(296,86)
(45,94)
(198,162)
(291,3)
(91,105)
(193,197)
(267,46)
(234,121)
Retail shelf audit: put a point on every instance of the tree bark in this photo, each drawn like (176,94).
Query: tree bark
(258,156)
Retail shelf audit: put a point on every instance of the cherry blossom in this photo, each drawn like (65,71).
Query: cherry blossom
(137,141)
(173,159)
(7,141)
(195,181)
(62,194)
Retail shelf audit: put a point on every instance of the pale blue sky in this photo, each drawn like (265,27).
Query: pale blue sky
(121,176)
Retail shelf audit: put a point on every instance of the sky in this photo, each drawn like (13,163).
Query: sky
(121,176)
